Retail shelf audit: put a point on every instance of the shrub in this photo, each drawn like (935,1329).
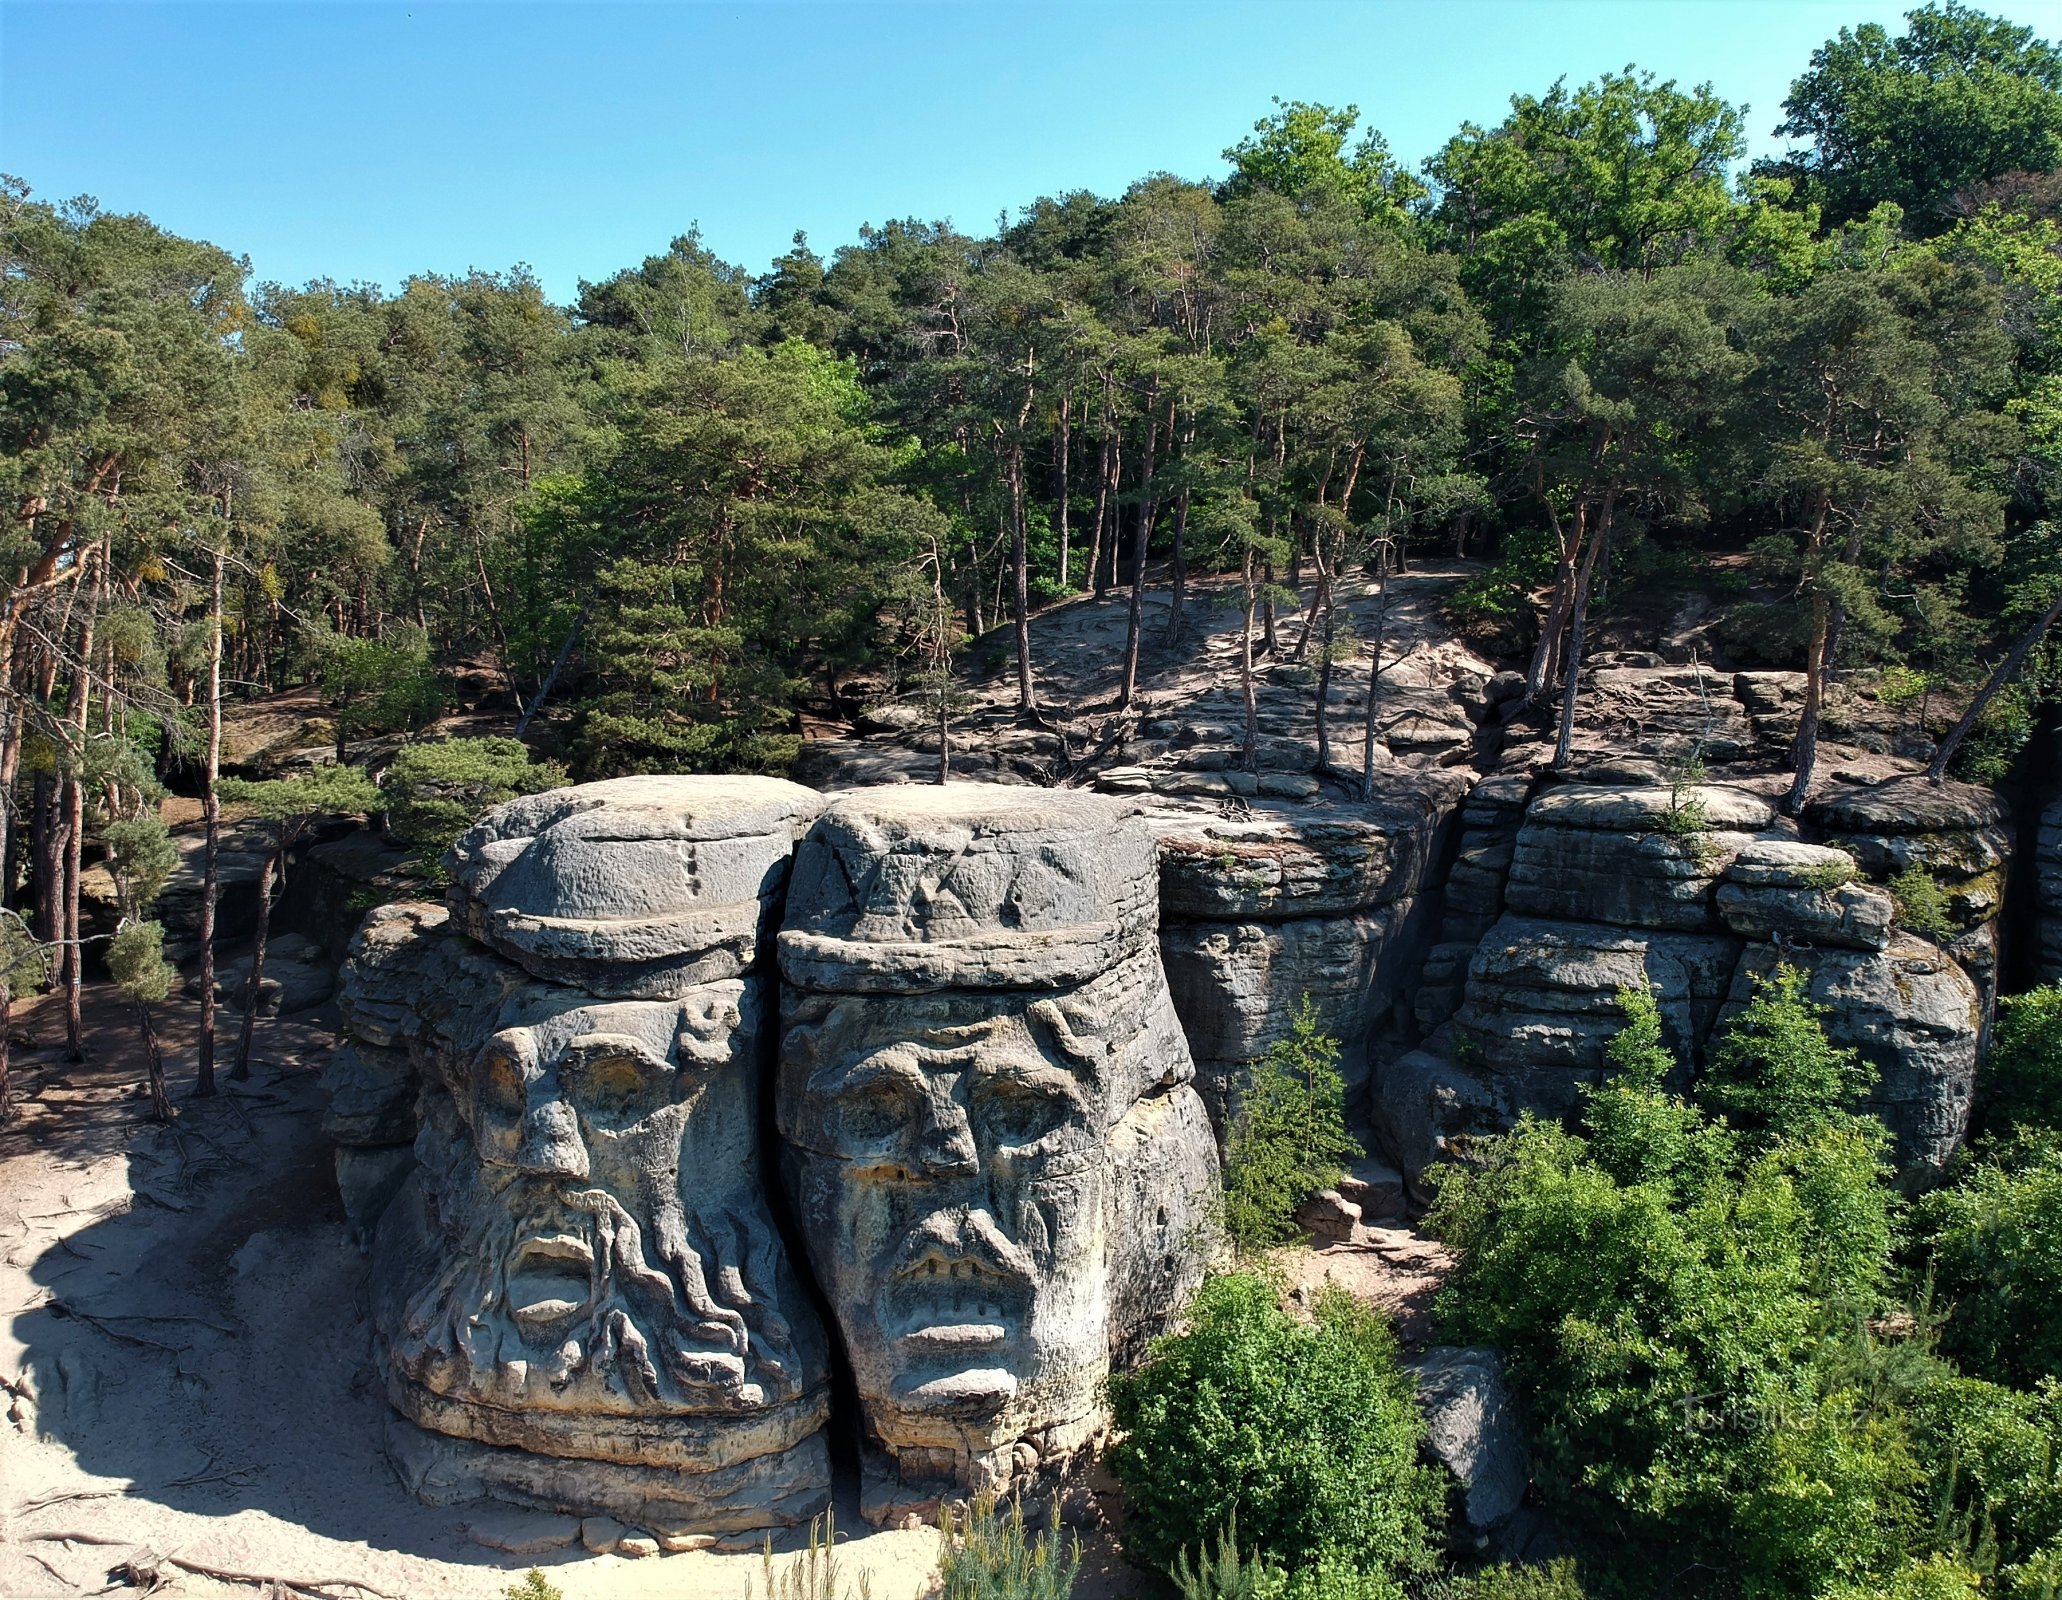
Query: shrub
(1548,1580)
(1775,1072)
(1309,1433)
(815,1573)
(2023,1071)
(1995,1238)
(1289,1136)
(988,1557)
(1678,1302)
(535,1586)
(1922,905)
(435,791)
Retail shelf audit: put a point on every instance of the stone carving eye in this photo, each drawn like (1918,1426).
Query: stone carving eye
(612,1091)
(873,1113)
(1015,1112)
(499,1093)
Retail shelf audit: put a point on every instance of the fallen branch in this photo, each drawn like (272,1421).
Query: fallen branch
(143,1570)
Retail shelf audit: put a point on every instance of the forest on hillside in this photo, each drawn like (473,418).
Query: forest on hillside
(1584,345)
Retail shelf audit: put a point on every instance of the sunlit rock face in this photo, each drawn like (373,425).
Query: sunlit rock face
(998,1159)
(581,1296)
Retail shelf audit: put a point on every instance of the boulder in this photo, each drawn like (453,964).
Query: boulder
(581,1298)
(519,1532)
(1236,987)
(1472,1426)
(1542,1001)
(1424,1104)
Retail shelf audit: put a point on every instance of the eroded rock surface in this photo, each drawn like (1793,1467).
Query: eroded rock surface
(997,1156)
(1694,892)
(582,1301)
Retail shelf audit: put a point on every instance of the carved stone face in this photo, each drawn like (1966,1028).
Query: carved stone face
(956,1150)
(588,1169)
(989,1128)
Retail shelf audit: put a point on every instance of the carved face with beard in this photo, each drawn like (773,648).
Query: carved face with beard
(604,1268)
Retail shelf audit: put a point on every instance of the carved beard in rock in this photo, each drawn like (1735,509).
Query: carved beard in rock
(950,1154)
(575,1284)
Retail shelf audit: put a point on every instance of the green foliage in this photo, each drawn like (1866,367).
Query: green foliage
(1995,1241)
(1499,596)
(1922,905)
(1307,1432)
(1549,1580)
(142,859)
(1957,98)
(1670,1294)
(325,791)
(1222,1571)
(816,1573)
(136,961)
(1775,1073)
(1289,1136)
(24,964)
(435,790)
(533,1586)
(377,685)
(991,1557)
(2022,1072)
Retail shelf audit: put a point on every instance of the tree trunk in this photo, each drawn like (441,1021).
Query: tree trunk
(1059,482)
(275,862)
(154,1065)
(1141,542)
(1367,749)
(1177,594)
(2005,672)
(74,962)
(1578,624)
(6,1052)
(1020,582)
(1324,689)
(1804,754)
(211,870)
(1249,754)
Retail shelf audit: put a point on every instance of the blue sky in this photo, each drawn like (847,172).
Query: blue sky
(370,141)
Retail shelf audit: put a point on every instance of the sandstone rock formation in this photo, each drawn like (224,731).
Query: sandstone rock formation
(997,1157)
(581,1297)
(1693,892)
(1258,912)
(1473,1428)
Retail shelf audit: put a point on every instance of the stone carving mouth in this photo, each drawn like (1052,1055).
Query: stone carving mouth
(945,1304)
(550,1278)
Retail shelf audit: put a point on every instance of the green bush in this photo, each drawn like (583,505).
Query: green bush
(534,1586)
(1995,1239)
(1922,905)
(1548,1580)
(1308,1433)
(435,791)
(1289,1136)
(2022,1073)
(1670,1290)
(990,1557)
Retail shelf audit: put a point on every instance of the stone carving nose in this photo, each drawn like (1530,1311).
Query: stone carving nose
(945,1144)
(551,1146)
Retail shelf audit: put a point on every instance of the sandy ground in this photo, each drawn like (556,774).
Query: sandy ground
(183,1341)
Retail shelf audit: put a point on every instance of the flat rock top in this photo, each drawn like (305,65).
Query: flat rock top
(980,809)
(672,806)
(1905,805)
(1626,807)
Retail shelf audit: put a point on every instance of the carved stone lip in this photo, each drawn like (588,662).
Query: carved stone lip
(550,1278)
(944,1303)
